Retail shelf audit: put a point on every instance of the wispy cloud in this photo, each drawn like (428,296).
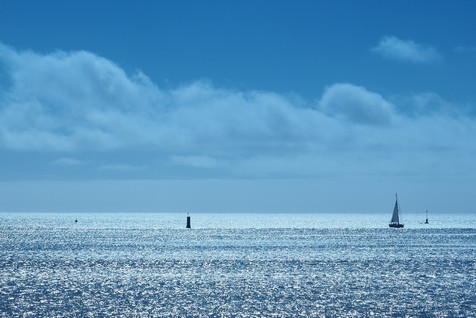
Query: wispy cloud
(465,50)
(394,48)
(71,102)
(122,167)
(196,161)
(67,162)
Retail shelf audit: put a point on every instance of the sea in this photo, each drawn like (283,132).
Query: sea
(236,265)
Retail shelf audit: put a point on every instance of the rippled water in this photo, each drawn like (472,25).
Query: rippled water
(235,265)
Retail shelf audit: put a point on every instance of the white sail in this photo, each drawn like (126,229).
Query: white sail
(395,222)
(395,218)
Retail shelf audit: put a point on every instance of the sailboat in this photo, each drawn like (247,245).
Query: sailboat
(395,222)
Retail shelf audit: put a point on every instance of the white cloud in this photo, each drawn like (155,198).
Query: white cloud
(394,48)
(356,104)
(78,102)
(426,104)
(69,101)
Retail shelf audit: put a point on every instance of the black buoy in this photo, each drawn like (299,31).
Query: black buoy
(76,221)
(426,221)
(189,226)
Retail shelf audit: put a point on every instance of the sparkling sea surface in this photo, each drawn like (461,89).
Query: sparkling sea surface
(236,265)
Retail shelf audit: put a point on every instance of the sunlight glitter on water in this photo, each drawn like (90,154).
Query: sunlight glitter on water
(237,220)
(127,265)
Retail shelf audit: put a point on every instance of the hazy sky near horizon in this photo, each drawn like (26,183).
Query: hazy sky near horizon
(229,106)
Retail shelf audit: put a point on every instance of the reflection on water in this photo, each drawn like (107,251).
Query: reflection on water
(255,265)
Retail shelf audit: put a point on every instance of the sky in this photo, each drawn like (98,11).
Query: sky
(237,106)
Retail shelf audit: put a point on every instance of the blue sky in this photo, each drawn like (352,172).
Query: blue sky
(227,106)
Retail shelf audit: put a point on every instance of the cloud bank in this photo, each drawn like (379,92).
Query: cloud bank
(77,103)
(394,48)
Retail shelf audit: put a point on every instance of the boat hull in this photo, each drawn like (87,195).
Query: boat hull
(396,225)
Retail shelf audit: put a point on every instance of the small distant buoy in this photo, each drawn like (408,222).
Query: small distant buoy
(76,221)
(189,226)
